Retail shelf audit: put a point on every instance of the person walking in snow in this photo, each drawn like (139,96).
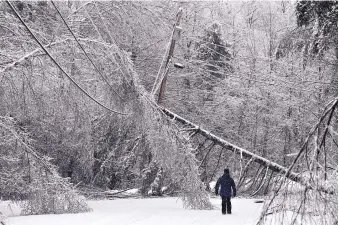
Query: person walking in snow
(227,189)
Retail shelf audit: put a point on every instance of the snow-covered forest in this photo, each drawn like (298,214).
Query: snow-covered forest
(108,107)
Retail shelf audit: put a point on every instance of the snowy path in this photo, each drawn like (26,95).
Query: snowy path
(164,211)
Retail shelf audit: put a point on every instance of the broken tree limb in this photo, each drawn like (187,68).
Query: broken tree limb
(245,153)
(268,183)
(208,152)
(243,172)
(253,180)
(33,53)
(261,183)
(216,167)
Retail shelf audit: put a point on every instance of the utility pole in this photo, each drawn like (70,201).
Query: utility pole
(175,36)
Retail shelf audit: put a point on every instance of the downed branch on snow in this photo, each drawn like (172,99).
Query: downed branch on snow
(175,155)
(28,176)
(92,192)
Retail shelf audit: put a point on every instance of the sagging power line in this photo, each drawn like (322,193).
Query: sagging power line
(87,56)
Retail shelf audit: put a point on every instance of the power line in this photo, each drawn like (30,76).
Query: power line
(54,61)
(96,68)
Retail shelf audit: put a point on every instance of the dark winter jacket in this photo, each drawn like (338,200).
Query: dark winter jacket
(227,185)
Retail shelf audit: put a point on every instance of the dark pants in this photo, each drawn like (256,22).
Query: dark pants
(226,204)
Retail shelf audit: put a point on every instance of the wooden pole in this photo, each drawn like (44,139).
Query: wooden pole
(175,36)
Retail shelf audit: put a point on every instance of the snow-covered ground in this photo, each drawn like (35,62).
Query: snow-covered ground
(147,212)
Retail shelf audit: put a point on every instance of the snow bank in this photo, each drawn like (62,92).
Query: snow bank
(9,208)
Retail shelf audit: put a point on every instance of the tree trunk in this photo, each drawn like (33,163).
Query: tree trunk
(243,152)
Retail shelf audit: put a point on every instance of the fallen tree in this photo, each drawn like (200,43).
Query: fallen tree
(274,167)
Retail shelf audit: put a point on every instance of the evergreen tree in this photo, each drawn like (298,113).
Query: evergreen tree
(316,32)
(212,56)
(214,51)
(320,18)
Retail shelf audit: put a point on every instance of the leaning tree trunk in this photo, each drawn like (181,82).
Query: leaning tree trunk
(272,166)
